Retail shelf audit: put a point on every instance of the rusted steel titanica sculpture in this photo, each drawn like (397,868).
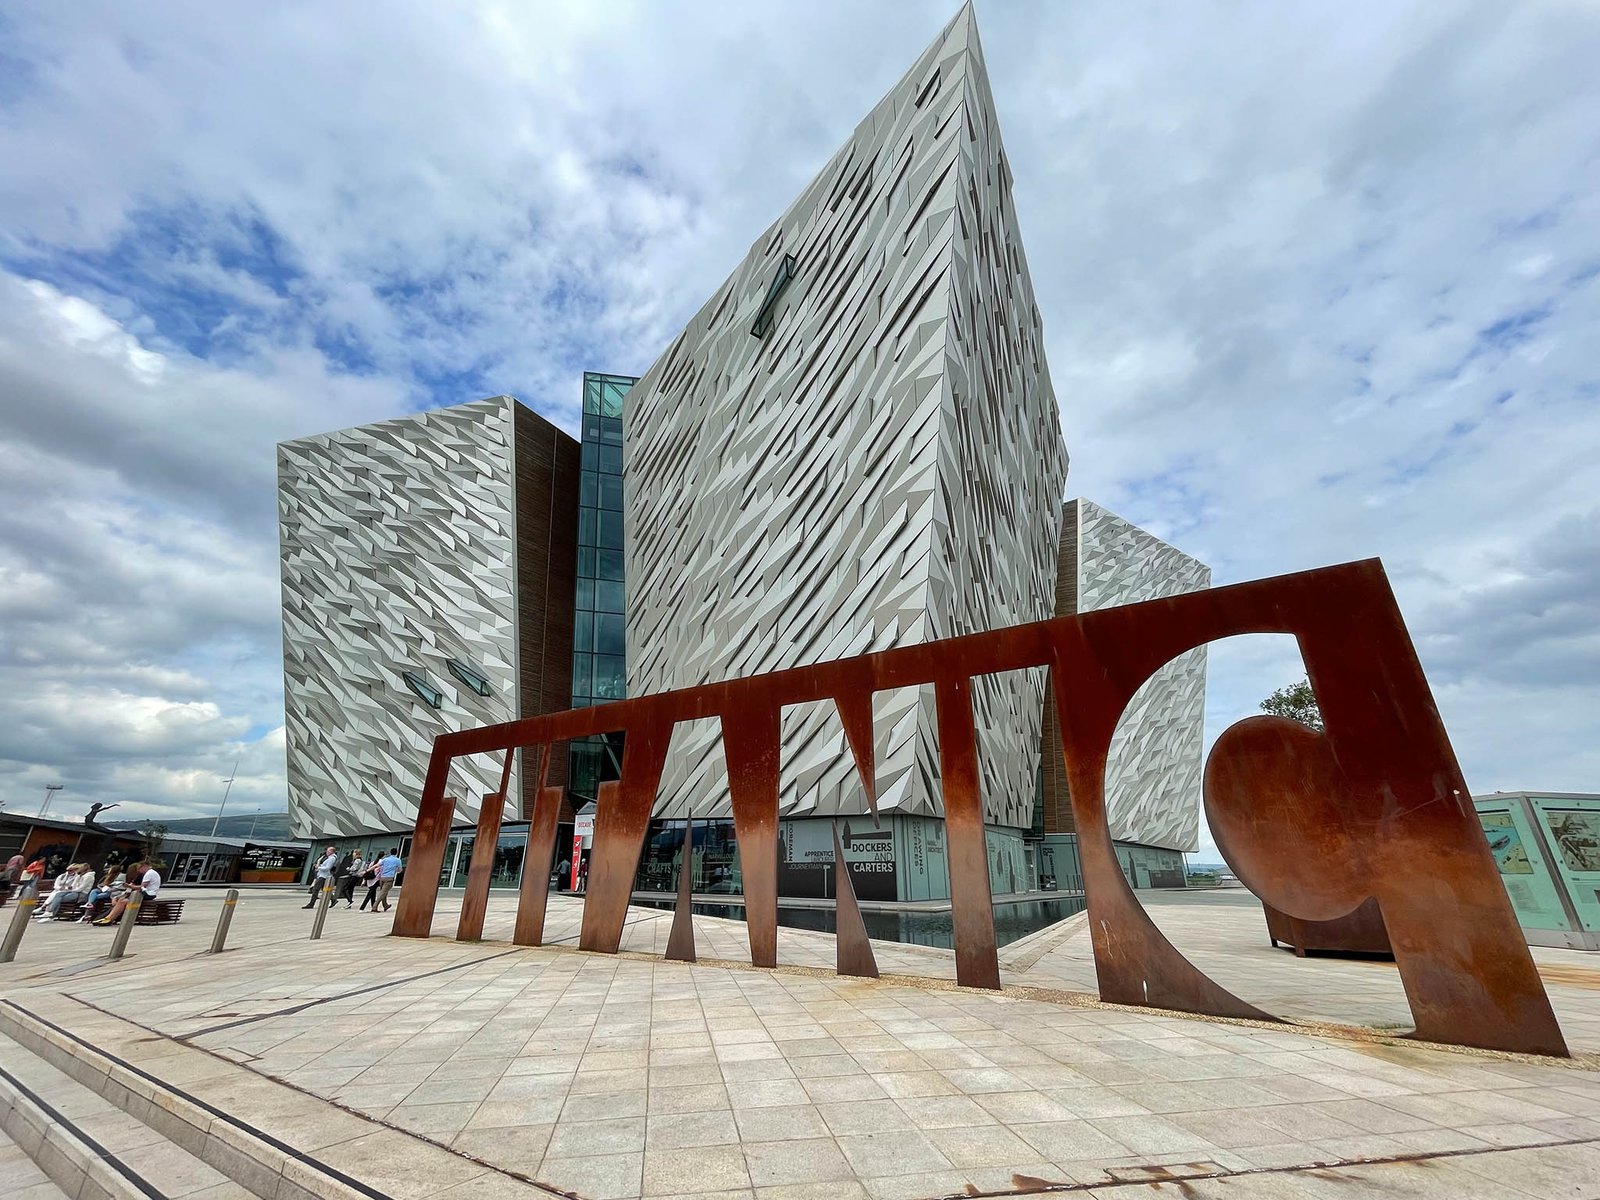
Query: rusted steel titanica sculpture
(1313,823)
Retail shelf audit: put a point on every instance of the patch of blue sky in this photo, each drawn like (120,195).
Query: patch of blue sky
(1582,275)
(444,386)
(1537,222)
(1169,499)
(1406,470)
(18,75)
(346,351)
(1512,330)
(203,281)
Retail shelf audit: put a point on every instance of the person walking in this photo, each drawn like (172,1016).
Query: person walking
(369,879)
(563,874)
(349,875)
(389,867)
(330,859)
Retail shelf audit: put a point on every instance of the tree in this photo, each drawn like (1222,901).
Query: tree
(152,833)
(1297,702)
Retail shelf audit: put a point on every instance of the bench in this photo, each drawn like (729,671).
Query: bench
(151,912)
(160,912)
(71,910)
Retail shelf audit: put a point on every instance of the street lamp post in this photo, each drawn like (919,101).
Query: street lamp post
(50,790)
(225,791)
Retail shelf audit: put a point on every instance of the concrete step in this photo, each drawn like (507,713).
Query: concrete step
(86,1147)
(20,1176)
(215,1119)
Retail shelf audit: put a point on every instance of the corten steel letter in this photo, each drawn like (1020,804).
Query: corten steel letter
(475,900)
(680,942)
(621,817)
(1374,806)
(852,952)
(534,896)
(971,903)
(750,744)
(413,916)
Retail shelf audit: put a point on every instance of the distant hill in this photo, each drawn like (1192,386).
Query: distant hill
(268,827)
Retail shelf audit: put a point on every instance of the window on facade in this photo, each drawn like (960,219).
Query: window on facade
(608,595)
(610,679)
(431,696)
(468,676)
(608,633)
(764,315)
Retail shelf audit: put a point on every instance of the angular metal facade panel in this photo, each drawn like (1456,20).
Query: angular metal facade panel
(398,553)
(883,466)
(1154,765)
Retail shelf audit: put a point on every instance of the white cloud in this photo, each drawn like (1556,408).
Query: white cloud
(1318,284)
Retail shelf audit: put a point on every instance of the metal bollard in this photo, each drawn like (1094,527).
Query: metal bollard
(321,915)
(125,924)
(27,898)
(224,921)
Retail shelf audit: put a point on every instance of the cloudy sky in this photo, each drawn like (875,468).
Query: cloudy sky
(1320,282)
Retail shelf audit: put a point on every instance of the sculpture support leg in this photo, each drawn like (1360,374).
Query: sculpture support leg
(851,949)
(413,916)
(534,897)
(622,816)
(971,903)
(475,901)
(750,743)
(680,943)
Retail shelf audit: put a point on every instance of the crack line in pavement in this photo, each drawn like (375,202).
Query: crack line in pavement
(1031,1186)
(376,987)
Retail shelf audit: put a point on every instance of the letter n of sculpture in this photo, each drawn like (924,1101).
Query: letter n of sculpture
(1314,823)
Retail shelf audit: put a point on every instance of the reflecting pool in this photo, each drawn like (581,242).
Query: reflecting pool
(1011,921)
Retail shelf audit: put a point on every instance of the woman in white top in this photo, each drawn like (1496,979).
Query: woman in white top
(72,886)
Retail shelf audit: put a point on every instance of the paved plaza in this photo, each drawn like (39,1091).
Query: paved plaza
(438,1068)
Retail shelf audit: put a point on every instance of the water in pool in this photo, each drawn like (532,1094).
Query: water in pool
(1011,921)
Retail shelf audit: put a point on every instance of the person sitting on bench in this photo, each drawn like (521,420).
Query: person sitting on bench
(149,888)
(71,886)
(112,885)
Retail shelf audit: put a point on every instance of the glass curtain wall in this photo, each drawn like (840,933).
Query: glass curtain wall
(598,667)
(714,858)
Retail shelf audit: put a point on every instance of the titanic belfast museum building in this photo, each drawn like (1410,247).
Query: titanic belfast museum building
(853,445)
